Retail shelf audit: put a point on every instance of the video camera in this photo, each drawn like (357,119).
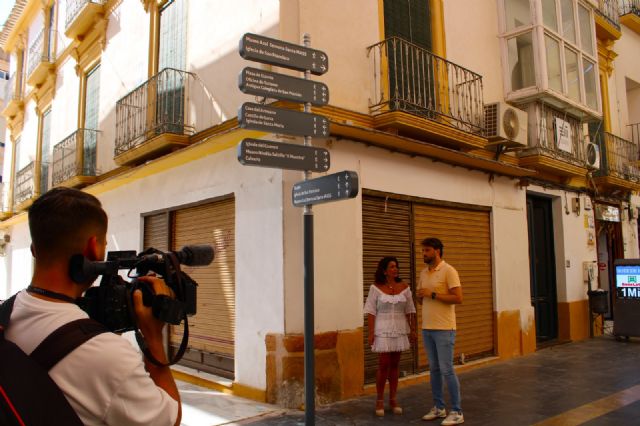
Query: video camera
(111,303)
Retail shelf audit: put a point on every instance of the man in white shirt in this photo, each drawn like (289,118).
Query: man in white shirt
(105,379)
(439,290)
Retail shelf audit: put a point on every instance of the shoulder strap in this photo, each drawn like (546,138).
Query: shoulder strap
(64,340)
(5,312)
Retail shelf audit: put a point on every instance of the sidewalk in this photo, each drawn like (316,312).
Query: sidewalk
(594,382)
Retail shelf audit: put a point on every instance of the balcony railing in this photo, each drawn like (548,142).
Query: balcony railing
(39,53)
(409,78)
(74,7)
(66,162)
(551,137)
(620,158)
(10,92)
(629,6)
(609,9)
(24,188)
(172,101)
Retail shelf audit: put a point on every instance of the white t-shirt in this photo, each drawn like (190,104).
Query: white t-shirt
(104,379)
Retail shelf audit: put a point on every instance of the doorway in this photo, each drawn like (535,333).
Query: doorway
(542,266)
(610,248)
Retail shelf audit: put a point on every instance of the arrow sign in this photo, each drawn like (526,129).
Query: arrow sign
(335,187)
(267,50)
(278,86)
(256,152)
(277,120)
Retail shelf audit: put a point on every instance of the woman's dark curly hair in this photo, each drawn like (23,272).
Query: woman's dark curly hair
(383,264)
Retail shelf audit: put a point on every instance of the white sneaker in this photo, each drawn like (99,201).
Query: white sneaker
(454,418)
(435,413)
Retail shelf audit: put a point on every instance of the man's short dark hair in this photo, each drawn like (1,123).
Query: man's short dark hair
(434,243)
(62,220)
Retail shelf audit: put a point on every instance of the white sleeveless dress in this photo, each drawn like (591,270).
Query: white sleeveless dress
(391,327)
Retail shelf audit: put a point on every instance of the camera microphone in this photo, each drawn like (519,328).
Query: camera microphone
(195,255)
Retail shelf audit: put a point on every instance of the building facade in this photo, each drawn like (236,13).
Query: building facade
(507,128)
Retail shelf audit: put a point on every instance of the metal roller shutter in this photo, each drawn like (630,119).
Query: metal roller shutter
(156,231)
(386,232)
(212,329)
(466,237)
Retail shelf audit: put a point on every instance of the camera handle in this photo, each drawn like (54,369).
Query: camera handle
(185,335)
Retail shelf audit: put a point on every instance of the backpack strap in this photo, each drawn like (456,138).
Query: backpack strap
(64,340)
(5,313)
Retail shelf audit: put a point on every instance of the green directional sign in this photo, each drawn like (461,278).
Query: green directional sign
(254,47)
(278,120)
(269,84)
(325,189)
(279,155)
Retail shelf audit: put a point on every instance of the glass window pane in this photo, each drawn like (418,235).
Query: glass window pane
(568,23)
(521,68)
(586,40)
(554,71)
(518,13)
(573,79)
(589,71)
(549,14)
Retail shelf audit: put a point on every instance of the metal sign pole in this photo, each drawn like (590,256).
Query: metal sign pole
(309,328)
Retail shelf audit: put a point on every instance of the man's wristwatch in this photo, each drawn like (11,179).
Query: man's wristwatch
(433,295)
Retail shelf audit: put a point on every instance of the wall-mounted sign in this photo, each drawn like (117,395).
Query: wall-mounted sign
(607,213)
(562,134)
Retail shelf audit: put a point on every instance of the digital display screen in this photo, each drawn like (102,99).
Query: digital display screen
(628,281)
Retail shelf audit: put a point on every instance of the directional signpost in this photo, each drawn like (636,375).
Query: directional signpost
(262,153)
(269,84)
(335,187)
(254,47)
(277,120)
(256,152)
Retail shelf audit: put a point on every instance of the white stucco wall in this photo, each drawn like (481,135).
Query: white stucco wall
(473,42)
(571,242)
(338,231)
(626,67)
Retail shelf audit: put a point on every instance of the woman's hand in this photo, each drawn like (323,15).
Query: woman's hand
(413,336)
(371,338)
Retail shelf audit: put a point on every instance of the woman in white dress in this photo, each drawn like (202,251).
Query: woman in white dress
(390,309)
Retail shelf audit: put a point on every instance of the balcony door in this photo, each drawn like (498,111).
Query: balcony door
(89,132)
(170,83)
(407,27)
(46,152)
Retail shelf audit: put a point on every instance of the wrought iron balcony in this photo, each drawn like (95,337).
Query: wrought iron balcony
(409,78)
(25,185)
(80,16)
(635,133)
(556,142)
(619,158)
(41,57)
(71,167)
(629,6)
(609,9)
(13,100)
(160,115)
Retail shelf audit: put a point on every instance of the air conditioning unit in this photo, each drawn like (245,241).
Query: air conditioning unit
(505,125)
(592,155)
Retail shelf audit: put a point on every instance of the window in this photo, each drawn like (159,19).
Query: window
(173,36)
(46,152)
(521,66)
(92,103)
(517,14)
(562,37)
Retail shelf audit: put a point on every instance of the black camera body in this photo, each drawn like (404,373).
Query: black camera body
(111,302)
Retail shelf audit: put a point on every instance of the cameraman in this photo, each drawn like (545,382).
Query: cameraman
(104,379)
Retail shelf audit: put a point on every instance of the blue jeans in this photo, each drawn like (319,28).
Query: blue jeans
(439,347)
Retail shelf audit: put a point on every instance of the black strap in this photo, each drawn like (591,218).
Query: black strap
(5,312)
(51,294)
(64,340)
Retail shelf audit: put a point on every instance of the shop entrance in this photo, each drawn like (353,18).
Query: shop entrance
(542,266)
(609,241)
